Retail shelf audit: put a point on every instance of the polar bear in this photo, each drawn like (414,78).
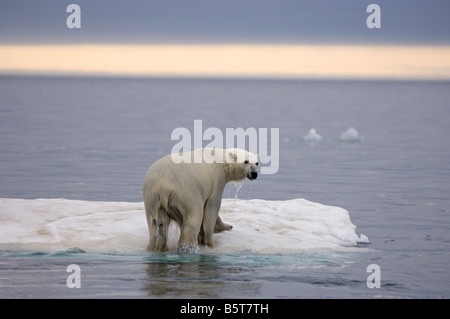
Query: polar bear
(190,193)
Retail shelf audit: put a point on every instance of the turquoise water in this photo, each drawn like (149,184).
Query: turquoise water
(38,275)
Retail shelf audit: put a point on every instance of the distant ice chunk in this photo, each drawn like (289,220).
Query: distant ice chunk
(312,136)
(351,135)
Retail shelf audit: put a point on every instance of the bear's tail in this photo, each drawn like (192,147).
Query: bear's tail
(163,198)
(168,204)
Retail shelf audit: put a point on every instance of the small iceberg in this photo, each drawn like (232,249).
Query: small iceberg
(351,136)
(312,136)
(64,226)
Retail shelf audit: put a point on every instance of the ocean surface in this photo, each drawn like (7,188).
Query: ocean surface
(359,207)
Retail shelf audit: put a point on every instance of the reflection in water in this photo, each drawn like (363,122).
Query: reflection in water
(183,276)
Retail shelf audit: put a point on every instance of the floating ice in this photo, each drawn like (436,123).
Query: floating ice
(286,226)
(259,226)
(351,136)
(312,136)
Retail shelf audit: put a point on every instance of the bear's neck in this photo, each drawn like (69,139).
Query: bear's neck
(232,175)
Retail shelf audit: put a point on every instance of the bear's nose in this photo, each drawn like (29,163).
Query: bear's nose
(254,175)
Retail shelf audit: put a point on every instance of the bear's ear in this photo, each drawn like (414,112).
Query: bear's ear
(231,156)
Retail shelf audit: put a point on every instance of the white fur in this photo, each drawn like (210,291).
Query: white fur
(191,194)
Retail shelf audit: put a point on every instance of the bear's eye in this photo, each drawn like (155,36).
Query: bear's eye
(246,162)
(257,163)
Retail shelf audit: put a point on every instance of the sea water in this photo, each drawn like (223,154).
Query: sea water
(372,190)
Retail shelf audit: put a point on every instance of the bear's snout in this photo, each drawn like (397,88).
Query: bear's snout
(253,175)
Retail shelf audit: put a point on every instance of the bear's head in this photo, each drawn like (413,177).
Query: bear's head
(242,164)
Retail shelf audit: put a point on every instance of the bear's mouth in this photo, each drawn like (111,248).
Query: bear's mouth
(252,175)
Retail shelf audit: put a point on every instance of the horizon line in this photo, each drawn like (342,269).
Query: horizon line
(231,60)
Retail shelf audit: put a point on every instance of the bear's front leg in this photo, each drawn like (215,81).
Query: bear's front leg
(190,229)
(205,237)
(210,220)
(188,240)
(221,226)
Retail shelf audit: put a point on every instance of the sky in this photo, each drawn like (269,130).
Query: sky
(249,37)
(225,21)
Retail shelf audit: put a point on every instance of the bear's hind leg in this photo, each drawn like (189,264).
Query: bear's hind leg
(158,229)
(163,230)
(152,235)
(151,216)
